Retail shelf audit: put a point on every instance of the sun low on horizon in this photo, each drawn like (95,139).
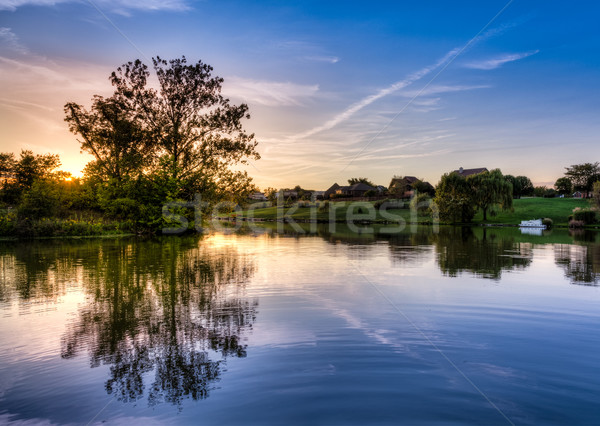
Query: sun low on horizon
(335,90)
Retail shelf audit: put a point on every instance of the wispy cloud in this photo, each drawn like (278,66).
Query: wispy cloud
(441,64)
(493,63)
(11,41)
(354,108)
(269,93)
(118,6)
(328,59)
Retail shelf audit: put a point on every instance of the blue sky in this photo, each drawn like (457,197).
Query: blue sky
(336,89)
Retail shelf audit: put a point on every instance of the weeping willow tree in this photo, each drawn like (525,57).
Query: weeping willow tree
(491,189)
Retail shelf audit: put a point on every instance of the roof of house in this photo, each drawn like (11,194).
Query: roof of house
(408,179)
(360,186)
(332,188)
(470,172)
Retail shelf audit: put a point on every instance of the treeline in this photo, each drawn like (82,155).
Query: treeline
(175,143)
(457,198)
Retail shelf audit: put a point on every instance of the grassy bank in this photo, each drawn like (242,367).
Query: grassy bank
(337,211)
(87,225)
(557,209)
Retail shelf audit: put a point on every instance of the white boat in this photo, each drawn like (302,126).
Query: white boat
(536,223)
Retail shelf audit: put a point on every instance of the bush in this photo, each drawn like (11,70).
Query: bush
(576,224)
(587,216)
(7,223)
(42,200)
(389,204)
(371,193)
(548,222)
(421,203)
(324,207)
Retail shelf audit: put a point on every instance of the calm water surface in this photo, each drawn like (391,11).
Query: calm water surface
(464,326)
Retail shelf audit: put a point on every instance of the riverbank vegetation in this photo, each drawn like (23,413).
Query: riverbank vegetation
(152,147)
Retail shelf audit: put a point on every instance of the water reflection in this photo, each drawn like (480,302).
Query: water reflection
(164,315)
(581,263)
(484,252)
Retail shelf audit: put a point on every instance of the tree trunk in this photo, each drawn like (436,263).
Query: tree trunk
(485,214)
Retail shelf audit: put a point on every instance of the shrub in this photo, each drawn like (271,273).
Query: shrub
(371,193)
(548,222)
(42,200)
(576,224)
(421,203)
(324,207)
(587,216)
(7,223)
(389,204)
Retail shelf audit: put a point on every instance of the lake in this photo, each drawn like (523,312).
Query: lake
(454,326)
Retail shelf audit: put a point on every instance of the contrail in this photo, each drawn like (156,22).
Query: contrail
(354,108)
(444,62)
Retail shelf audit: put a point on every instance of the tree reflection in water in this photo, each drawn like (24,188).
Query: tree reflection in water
(581,261)
(170,311)
(480,251)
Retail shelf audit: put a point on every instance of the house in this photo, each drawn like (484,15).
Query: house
(327,194)
(318,195)
(258,196)
(403,186)
(288,194)
(356,190)
(470,172)
(578,194)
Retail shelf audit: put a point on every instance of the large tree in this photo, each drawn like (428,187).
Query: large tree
(198,133)
(583,176)
(454,199)
(563,186)
(491,189)
(521,185)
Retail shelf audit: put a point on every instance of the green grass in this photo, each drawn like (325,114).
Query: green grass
(338,211)
(557,209)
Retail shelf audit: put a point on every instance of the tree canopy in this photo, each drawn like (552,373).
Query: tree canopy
(521,185)
(563,186)
(353,181)
(185,136)
(491,189)
(457,198)
(454,199)
(583,176)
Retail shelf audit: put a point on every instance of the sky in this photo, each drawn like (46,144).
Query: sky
(336,89)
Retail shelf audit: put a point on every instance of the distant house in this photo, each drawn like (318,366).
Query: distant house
(577,194)
(318,195)
(403,185)
(356,190)
(258,196)
(470,172)
(289,194)
(327,194)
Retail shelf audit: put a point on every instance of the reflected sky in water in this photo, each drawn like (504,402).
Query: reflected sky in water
(465,325)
